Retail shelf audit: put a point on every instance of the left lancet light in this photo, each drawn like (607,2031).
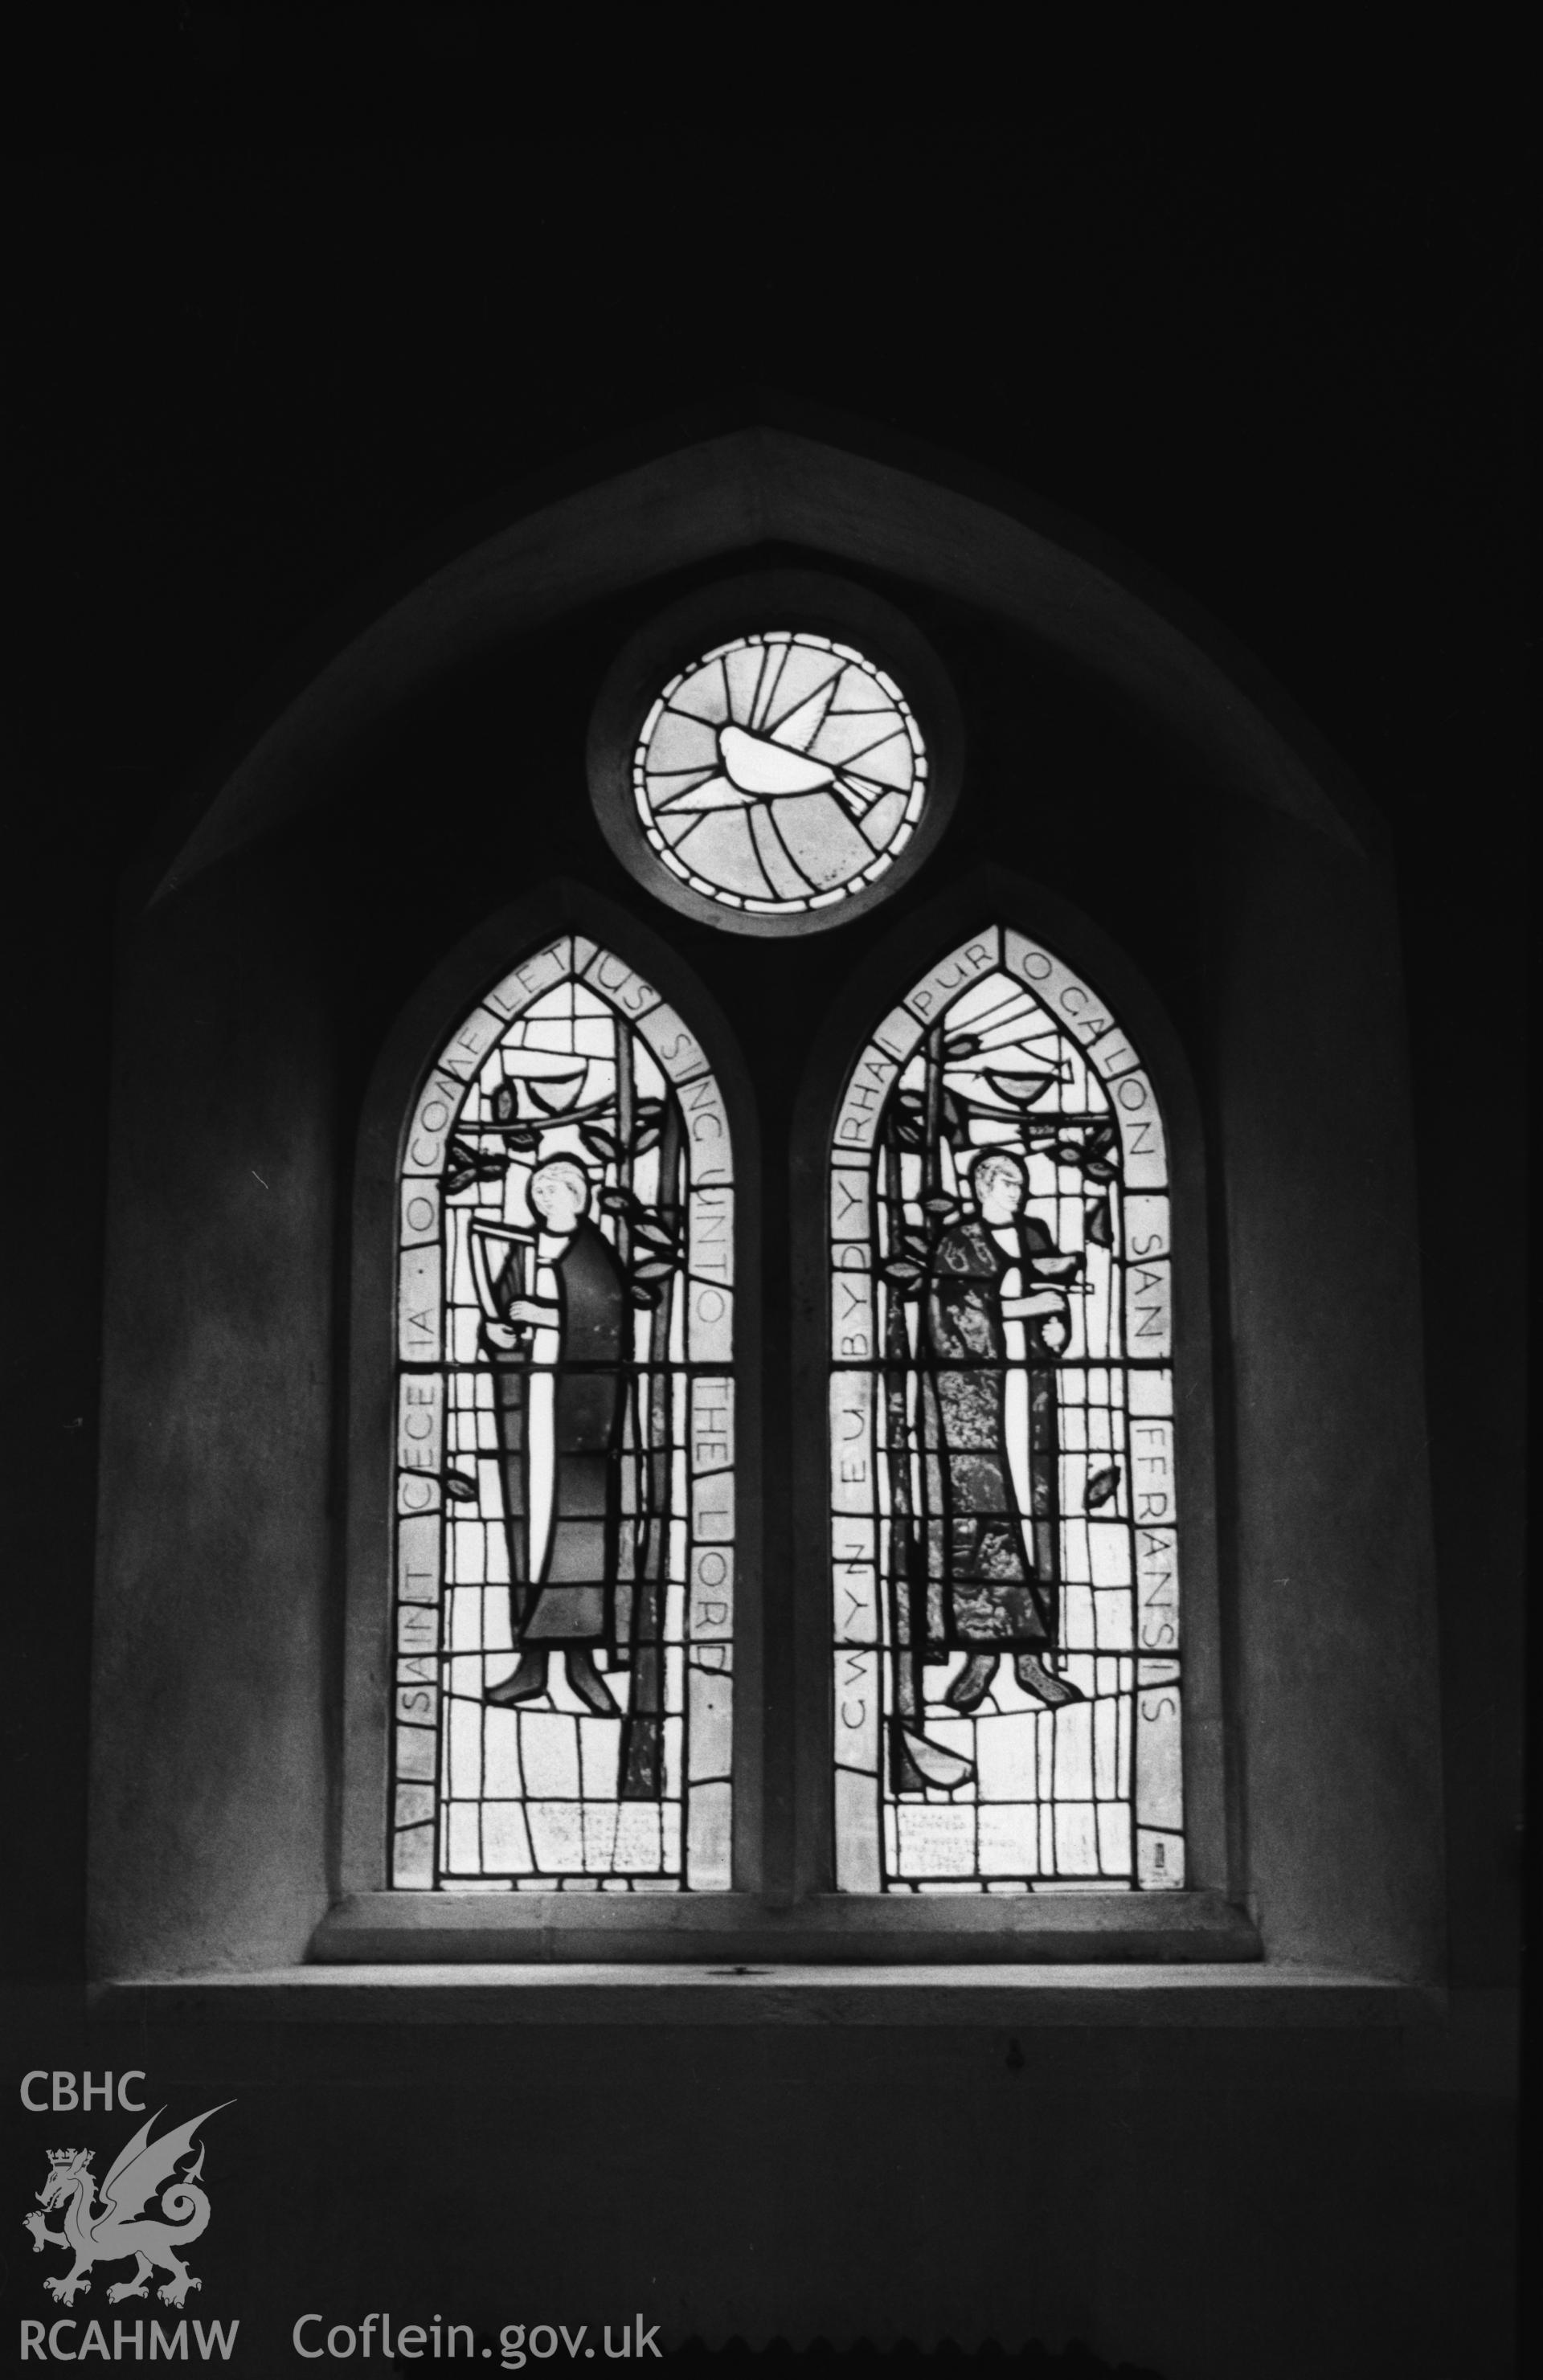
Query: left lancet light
(558,1723)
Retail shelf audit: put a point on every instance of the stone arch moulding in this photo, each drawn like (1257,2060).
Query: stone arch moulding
(370,1919)
(793,479)
(1206,1921)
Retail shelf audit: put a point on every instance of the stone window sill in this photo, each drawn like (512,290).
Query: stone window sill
(1127,1994)
(734,1929)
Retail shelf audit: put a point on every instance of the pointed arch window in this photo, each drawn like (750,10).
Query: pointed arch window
(448,1842)
(565,1511)
(1007,1685)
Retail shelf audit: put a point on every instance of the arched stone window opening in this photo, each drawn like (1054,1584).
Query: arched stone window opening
(250,1347)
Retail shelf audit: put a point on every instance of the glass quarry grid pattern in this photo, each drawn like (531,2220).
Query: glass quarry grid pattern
(780,773)
(1006,1682)
(565,1416)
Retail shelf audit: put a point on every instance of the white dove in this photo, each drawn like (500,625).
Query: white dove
(757,769)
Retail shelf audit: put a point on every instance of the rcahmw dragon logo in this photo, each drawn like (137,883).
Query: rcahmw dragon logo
(127,2222)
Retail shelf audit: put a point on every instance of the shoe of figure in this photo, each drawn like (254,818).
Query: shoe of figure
(1034,1678)
(969,1688)
(590,1687)
(523,1684)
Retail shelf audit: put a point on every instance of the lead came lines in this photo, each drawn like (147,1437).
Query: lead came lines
(566,1220)
(1007,1685)
(779,773)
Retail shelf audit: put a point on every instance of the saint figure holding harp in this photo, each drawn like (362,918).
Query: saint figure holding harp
(556,1328)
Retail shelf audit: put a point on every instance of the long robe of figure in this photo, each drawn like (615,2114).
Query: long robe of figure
(991,1504)
(560,1419)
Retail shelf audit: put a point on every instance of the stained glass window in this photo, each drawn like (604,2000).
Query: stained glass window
(1006,1688)
(780,773)
(564,1526)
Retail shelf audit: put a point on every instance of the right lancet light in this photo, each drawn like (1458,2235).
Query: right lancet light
(1006,1685)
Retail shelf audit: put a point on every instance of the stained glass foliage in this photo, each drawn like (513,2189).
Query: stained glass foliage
(1006,1686)
(780,773)
(565,1511)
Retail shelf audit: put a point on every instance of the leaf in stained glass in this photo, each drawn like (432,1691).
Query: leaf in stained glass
(800,768)
(1001,1430)
(566,1260)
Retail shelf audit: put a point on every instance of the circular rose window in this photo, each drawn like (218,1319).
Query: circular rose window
(777,777)
(779,773)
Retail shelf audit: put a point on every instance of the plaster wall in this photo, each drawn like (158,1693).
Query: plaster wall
(1338,1724)
(210,1792)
